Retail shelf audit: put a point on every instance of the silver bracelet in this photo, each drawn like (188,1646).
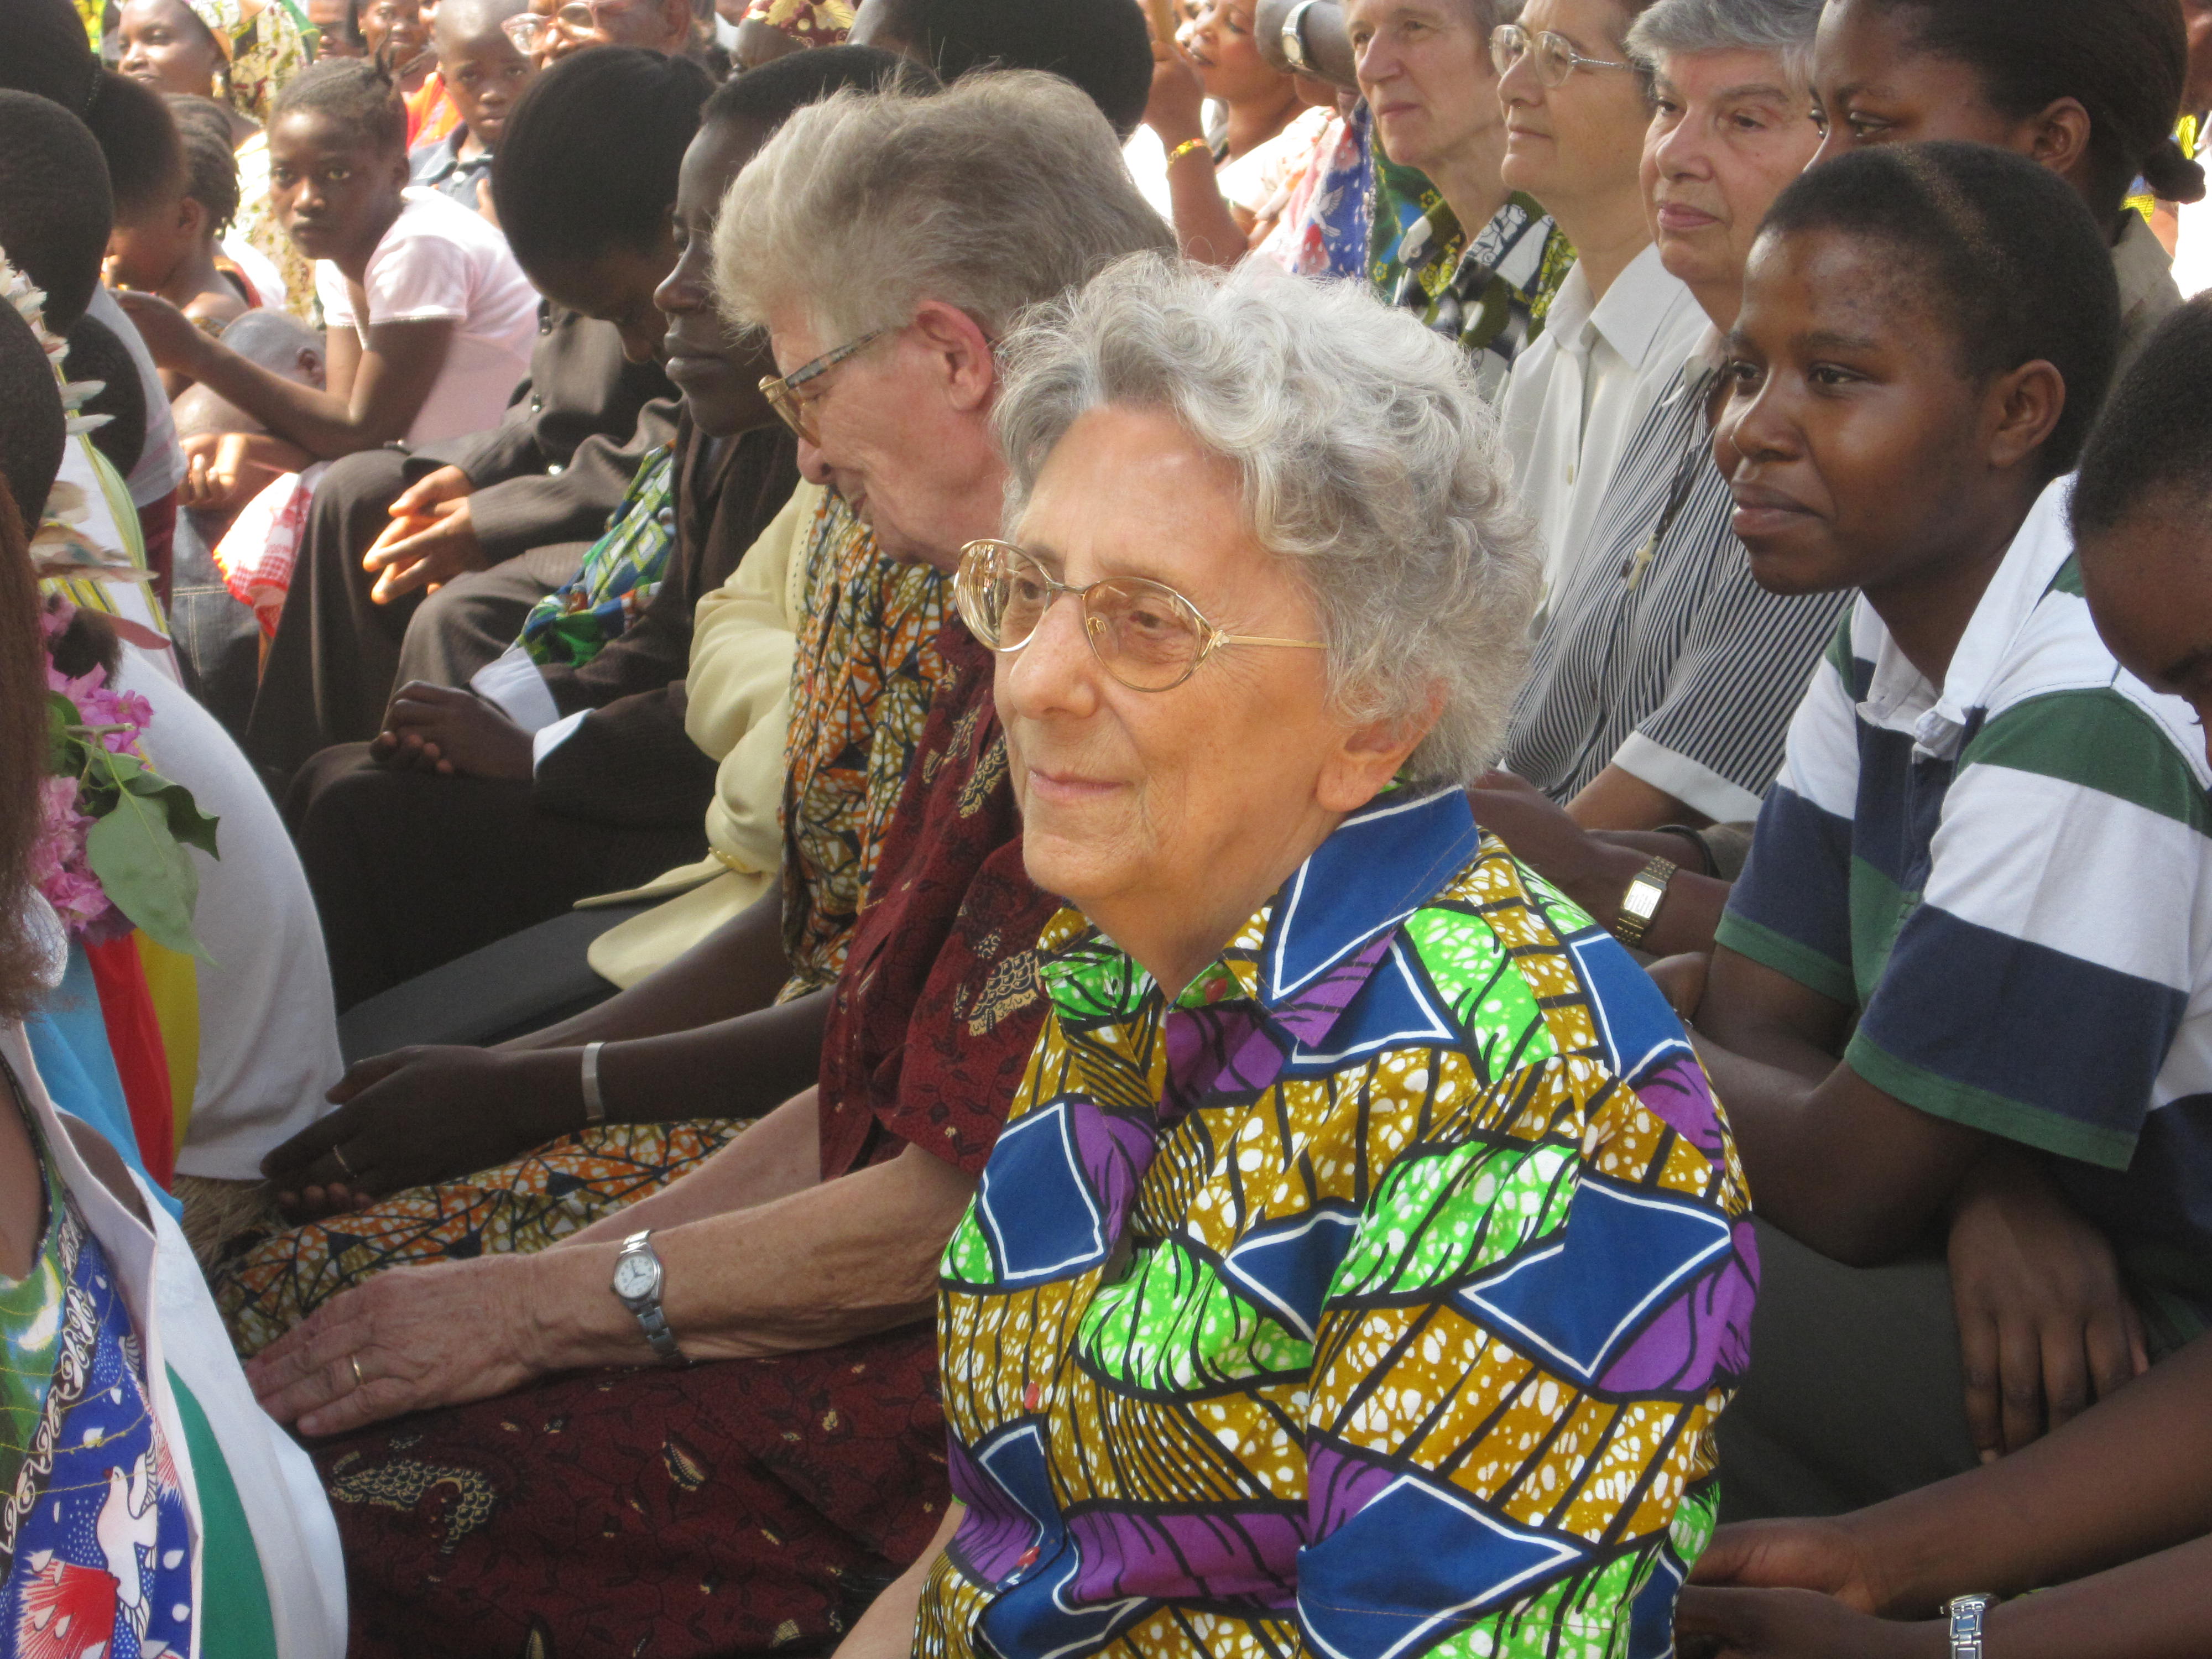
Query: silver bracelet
(1967,1614)
(595,1105)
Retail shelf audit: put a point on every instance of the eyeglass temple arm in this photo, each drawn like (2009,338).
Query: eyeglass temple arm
(1220,638)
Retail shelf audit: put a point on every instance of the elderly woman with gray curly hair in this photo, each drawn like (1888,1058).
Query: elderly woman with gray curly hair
(1364,1262)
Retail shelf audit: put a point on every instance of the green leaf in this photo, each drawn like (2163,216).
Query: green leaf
(186,822)
(147,871)
(64,749)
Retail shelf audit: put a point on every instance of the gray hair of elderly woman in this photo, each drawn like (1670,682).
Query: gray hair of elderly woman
(1683,27)
(1005,189)
(1368,461)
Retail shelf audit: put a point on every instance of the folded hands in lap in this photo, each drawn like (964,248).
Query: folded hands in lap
(436,728)
(430,540)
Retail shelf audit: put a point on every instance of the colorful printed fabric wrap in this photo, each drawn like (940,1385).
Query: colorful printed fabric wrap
(810,22)
(268,1282)
(261,51)
(95,1543)
(1412,1221)
(621,572)
(866,673)
(1491,292)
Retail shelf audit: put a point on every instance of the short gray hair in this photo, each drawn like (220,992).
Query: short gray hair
(1368,459)
(1005,189)
(1683,27)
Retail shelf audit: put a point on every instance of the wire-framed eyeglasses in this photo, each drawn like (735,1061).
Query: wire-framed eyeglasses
(1556,56)
(1144,633)
(781,390)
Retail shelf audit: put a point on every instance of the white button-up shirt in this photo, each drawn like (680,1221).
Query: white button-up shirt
(1587,383)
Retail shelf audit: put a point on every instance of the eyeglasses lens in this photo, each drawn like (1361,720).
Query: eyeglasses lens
(1146,635)
(786,404)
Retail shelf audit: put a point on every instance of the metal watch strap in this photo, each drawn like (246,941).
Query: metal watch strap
(1646,891)
(1294,39)
(661,1338)
(1968,1613)
(651,1318)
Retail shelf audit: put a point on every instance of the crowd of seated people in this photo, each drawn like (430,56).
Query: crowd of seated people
(1048,827)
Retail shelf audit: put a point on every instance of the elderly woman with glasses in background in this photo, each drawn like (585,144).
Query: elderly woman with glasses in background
(552,29)
(1364,1264)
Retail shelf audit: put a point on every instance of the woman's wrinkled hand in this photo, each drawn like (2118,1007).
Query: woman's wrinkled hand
(1793,1624)
(2045,1325)
(172,339)
(409,1339)
(418,1115)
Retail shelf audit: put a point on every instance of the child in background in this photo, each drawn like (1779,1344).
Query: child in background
(174,249)
(430,320)
(337,28)
(484,75)
(256,273)
(394,34)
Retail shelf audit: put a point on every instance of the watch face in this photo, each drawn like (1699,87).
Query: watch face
(633,1276)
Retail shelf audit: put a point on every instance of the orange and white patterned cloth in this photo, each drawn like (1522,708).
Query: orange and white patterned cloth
(267,1285)
(866,673)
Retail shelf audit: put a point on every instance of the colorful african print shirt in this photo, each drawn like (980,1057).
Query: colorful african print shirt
(623,570)
(1490,291)
(865,671)
(95,1543)
(1377,1296)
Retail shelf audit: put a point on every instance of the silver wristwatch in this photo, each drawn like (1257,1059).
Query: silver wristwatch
(638,1277)
(1967,1612)
(1294,39)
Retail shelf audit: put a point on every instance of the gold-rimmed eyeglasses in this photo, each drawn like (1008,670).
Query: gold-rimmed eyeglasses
(781,390)
(1556,56)
(1144,633)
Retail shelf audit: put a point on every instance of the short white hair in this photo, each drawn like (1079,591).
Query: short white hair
(1004,189)
(1368,460)
(1681,28)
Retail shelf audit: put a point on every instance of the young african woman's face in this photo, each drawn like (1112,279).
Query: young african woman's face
(719,378)
(398,23)
(1872,85)
(1850,435)
(165,46)
(334,190)
(2149,581)
(1227,54)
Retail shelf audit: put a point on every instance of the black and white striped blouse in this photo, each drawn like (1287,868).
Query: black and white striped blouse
(1660,654)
